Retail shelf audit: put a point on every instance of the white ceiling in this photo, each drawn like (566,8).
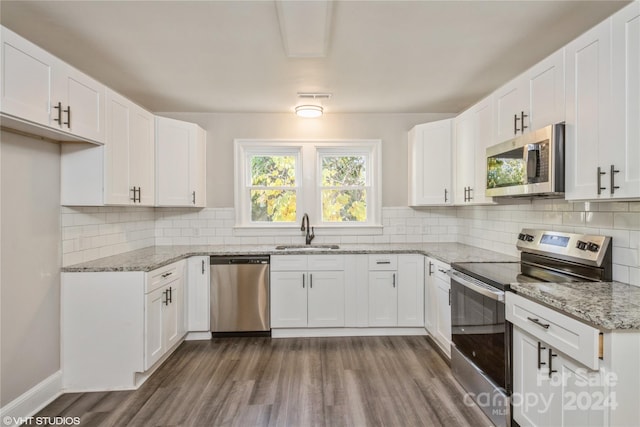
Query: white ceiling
(228,56)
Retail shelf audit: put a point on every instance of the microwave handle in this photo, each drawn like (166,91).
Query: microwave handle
(532,161)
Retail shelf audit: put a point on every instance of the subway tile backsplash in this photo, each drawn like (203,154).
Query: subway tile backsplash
(94,232)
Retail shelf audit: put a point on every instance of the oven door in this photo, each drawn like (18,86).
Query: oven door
(478,328)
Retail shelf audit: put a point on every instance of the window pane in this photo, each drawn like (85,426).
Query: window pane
(273,205)
(339,171)
(273,171)
(344,205)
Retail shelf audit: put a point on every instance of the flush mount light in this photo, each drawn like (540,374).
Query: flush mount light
(309,111)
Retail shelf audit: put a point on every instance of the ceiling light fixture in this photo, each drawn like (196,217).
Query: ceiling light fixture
(309,111)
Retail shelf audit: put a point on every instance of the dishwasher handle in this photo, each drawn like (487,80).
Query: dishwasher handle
(226,260)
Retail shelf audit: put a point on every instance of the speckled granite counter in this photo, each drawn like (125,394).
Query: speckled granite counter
(153,257)
(606,305)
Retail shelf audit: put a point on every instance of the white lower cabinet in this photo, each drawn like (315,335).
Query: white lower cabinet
(197,297)
(164,316)
(396,290)
(307,291)
(551,389)
(117,325)
(438,303)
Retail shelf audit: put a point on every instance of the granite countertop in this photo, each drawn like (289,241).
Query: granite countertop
(606,305)
(153,257)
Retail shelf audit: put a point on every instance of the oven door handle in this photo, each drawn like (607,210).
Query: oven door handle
(476,285)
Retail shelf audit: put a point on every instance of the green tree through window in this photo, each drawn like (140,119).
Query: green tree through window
(344,188)
(273,188)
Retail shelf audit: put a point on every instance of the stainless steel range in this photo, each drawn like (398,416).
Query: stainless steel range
(481,348)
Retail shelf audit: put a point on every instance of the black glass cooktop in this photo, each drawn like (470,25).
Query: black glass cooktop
(497,274)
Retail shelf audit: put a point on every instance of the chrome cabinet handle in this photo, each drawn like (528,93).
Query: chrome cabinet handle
(310,280)
(202,266)
(166,297)
(171,295)
(537,322)
(551,356)
(133,190)
(445,195)
(394,280)
(303,280)
(383,262)
(522,116)
(515,124)
(600,187)
(614,171)
(449,297)
(165,275)
(139,194)
(470,198)
(430,265)
(540,348)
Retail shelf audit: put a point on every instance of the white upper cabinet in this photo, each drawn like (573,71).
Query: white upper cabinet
(27,80)
(588,127)
(531,101)
(129,153)
(624,154)
(122,171)
(180,164)
(473,132)
(43,95)
(430,164)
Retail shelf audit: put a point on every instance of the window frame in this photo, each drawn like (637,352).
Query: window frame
(308,180)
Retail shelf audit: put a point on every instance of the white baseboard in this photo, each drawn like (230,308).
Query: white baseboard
(33,400)
(198,336)
(344,332)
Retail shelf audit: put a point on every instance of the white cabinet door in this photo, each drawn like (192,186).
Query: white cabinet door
(545,87)
(198,294)
(154,327)
(180,163)
(117,190)
(510,103)
(289,299)
(588,82)
(443,317)
(198,170)
(624,154)
(431,297)
(83,100)
(27,78)
(410,282)
(465,150)
(142,155)
(430,147)
(325,299)
(484,137)
(383,298)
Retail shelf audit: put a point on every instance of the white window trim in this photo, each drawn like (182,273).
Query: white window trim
(307,181)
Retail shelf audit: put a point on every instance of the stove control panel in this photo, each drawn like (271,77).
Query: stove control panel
(590,249)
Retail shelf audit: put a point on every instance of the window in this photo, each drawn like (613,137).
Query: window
(273,188)
(335,182)
(343,187)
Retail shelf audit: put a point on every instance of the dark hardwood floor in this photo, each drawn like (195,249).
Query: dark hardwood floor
(353,381)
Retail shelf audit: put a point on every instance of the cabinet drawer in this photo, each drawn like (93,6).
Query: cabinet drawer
(438,269)
(383,262)
(326,262)
(569,336)
(289,263)
(163,275)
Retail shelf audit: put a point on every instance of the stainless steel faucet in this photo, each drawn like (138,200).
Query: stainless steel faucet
(310,234)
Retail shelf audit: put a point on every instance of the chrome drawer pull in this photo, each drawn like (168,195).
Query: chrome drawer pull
(537,322)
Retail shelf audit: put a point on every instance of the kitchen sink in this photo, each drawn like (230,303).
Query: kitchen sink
(306,247)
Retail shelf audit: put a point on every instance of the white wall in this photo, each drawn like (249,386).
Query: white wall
(223,128)
(30,263)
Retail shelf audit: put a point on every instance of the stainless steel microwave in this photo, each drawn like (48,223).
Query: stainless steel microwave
(531,165)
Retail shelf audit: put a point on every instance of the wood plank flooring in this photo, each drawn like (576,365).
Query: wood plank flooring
(352,381)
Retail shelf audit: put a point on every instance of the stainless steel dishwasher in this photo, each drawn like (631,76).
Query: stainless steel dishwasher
(240,295)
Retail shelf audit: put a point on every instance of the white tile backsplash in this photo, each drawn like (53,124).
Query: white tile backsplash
(93,232)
